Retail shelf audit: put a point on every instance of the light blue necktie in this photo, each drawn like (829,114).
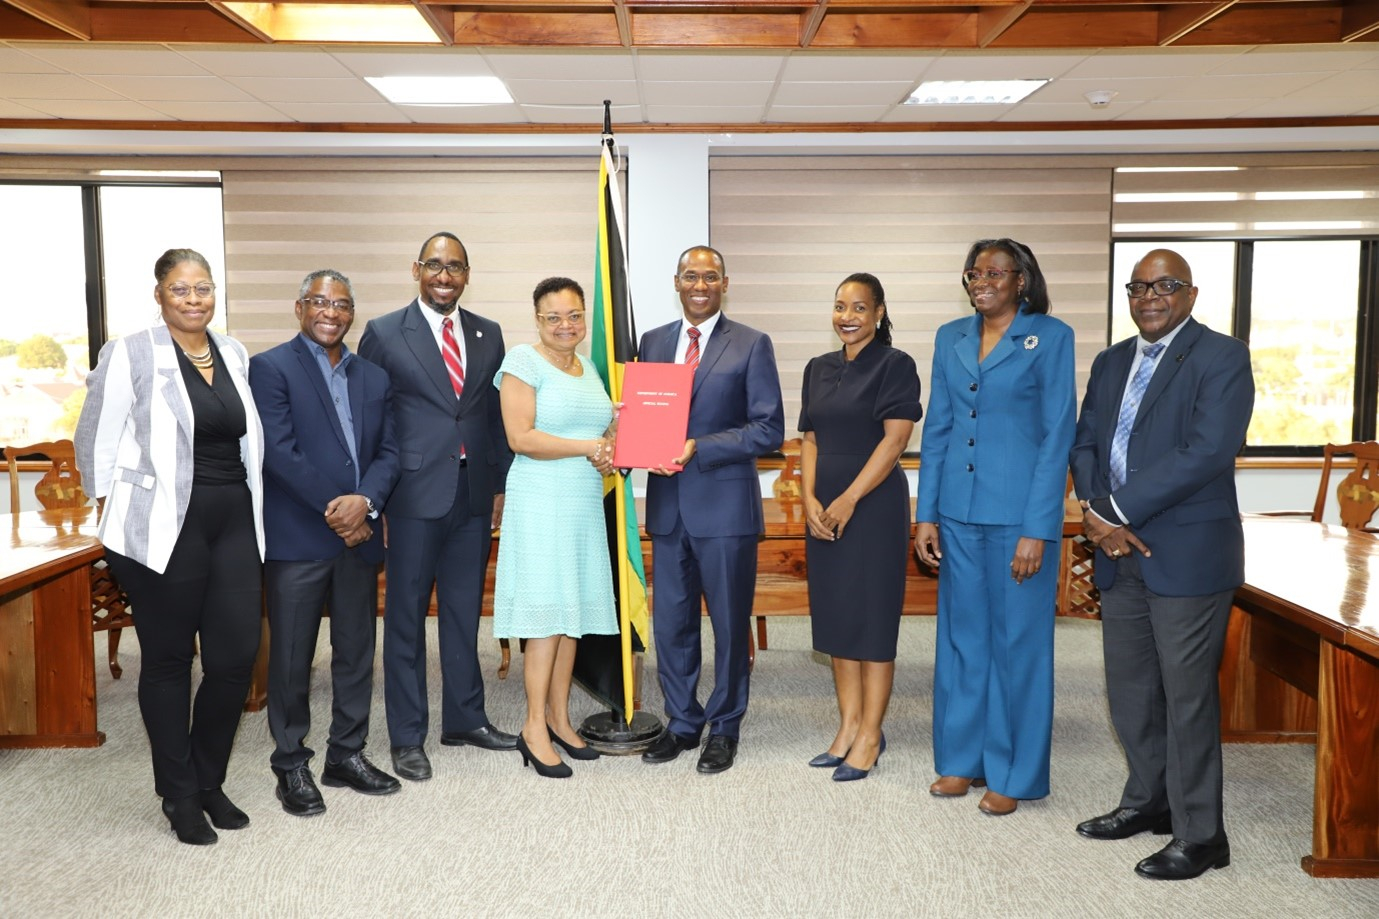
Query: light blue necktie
(1129,408)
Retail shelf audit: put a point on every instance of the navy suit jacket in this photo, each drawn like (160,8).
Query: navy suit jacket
(431,422)
(1179,496)
(997,433)
(306,462)
(735,416)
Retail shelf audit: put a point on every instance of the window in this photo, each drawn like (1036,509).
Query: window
(76,270)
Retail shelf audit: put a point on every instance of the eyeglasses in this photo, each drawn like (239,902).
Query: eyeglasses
(1164,287)
(321,304)
(973,275)
(691,279)
(455,269)
(555,319)
(182,291)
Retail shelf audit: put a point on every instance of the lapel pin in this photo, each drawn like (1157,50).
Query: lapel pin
(1031,342)
(478,334)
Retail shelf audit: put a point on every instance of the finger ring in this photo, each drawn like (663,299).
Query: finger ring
(1115,553)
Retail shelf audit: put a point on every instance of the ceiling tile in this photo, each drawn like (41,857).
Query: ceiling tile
(1127,90)
(704,114)
(170,89)
(351,112)
(703,93)
(103,110)
(825,113)
(219,111)
(873,68)
(1302,59)
(942,113)
(265,62)
(103,58)
(1169,109)
(591,116)
(511,64)
(829,94)
(1354,86)
(573,92)
(10,109)
(693,65)
(418,62)
(12,60)
(1151,62)
(1299,107)
(469,114)
(1029,65)
(53,86)
(307,89)
(1066,111)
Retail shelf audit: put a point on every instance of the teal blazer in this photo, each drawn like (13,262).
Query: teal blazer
(997,432)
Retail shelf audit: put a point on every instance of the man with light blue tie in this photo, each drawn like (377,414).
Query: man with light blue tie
(1153,465)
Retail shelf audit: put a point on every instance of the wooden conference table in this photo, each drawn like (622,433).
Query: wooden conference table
(47,662)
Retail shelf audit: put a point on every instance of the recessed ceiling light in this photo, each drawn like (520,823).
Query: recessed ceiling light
(973,92)
(332,22)
(442,90)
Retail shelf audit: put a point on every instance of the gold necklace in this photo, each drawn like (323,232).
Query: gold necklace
(550,356)
(202,361)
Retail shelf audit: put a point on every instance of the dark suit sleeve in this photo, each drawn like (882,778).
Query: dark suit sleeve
(283,459)
(1220,415)
(380,477)
(765,427)
(1083,457)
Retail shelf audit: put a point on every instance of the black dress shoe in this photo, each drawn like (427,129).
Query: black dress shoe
(355,771)
(486,738)
(585,752)
(1124,822)
(222,811)
(411,763)
(188,821)
(298,792)
(718,754)
(1181,860)
(668,746)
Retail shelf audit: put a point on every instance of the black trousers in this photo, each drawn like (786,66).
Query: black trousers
(296,592)
(212,589)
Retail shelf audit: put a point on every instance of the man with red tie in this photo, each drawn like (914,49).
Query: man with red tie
(454,458)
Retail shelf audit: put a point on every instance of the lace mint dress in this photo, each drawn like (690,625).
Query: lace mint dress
(553,574)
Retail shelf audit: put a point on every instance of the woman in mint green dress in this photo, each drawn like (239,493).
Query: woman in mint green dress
(554,583)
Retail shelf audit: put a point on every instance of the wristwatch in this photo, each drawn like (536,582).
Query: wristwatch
(368,502)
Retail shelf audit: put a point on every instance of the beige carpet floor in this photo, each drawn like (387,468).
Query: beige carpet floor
(81,833)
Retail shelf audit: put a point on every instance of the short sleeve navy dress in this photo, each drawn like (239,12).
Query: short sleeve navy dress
(857,583)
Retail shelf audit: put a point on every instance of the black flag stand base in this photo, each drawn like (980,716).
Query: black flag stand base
(610,734)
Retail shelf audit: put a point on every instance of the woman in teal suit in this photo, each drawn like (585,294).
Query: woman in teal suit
(993,474)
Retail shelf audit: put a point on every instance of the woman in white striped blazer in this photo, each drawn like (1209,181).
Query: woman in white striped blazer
(170,444)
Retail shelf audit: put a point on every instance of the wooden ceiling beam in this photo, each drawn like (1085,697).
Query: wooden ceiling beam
(70,16)
(1268,24)
(993,21)
(1177,21)
(1358,19)
(813,19)
(624,17)
(537,30)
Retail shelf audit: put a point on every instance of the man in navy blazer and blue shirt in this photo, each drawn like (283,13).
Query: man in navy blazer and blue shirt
(1153,464)
(706,519)
(454,459)
(330,462)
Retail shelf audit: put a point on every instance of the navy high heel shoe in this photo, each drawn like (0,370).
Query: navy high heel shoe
(558,771)
(826,760)
(584,753)
(847,773)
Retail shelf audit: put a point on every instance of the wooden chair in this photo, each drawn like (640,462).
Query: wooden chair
(60,487)
(1358,493)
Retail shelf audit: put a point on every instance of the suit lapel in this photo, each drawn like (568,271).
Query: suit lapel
(1117,374)
(1018,329)
(718,343)
(307,361)
(355,381)
(477,356)
(1170,362)
(170,383)
(967,348)
(422,343)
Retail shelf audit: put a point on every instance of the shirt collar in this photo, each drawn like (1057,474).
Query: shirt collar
(319,352)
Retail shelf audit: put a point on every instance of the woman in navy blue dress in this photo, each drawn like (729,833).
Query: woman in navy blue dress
(860,405)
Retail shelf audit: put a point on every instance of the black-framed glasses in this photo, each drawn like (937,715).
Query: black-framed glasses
(454,269)
(321,304)
(1164,287)
(182,291)
(691,278)
(973,275)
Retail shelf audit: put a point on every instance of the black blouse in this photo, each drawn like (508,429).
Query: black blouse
(218,423)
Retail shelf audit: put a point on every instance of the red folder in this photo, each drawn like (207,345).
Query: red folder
(654,416)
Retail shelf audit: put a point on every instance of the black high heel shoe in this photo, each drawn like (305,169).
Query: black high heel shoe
(584,753)
(558,771)
(188,822)
(849,773)
(222,811)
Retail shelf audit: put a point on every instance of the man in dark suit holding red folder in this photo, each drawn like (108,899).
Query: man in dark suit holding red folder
(705,520)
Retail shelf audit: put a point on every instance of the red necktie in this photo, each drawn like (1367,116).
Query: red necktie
(692,352)
(451,352)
